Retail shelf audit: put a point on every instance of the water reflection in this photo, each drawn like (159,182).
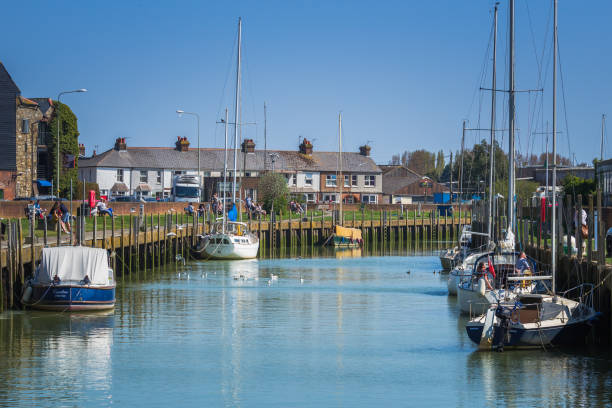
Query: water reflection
(65,356)
(527,378)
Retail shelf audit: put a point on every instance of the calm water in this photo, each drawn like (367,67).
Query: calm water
(355,332)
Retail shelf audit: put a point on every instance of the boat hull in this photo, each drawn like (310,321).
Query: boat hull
(230,251)
(72,297)
(453,282)
(343,242)
(559,335)
(471,301)
(447,262)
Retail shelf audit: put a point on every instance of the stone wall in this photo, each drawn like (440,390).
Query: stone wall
(26,152)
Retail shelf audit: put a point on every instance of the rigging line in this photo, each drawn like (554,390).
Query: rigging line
(227,75)
(567,131)
(249,81)
(482,71)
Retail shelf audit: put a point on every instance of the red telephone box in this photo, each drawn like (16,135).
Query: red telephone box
(92,198)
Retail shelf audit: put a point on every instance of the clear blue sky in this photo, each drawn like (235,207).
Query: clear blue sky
(404,74)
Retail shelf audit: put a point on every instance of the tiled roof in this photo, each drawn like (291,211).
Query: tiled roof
(26,101)
(212,160)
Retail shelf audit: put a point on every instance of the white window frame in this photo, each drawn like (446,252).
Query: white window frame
(144,176)
(330,180)
(159,177)
(370,181)
(120,174)
(366,199)
(291,179)
(330,198)
(308,179)
(347,180)
(310,198)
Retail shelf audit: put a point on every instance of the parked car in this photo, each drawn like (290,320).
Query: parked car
(125,199)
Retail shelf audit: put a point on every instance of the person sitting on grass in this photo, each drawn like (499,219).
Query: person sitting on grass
(189,209)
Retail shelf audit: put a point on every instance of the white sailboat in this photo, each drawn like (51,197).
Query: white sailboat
(538,320)
(230,239)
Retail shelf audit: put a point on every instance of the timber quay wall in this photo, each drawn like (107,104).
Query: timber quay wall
(589,265)
(137,243)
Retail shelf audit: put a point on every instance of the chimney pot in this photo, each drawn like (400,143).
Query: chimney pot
(306,147)
(120,144)
(182,144)
(365,150)
(248,146)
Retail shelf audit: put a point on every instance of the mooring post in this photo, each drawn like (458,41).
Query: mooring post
(601,235)
(95,230)
(104,232)
(10,260)
(130,246)
(2,271)
(114,253)
(122,243)
(578,225)
(591,226)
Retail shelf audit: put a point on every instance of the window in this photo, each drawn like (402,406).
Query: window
(369,199)
(310,198)
(370,181)
(329,198)
(119,193)
(330,180)
(143,176)
(120,175)
(354,180)
(104,192)
(308,179)
(178,172)
(291,179)
(25,125)
(159,177)
(347,180)
(42,133)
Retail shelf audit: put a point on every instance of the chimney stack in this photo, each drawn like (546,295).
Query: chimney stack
(306,147)
(248,146)
(182,144)
(120,144)
(81,150)
(365,150)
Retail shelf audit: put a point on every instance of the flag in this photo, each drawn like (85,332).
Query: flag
(491,268)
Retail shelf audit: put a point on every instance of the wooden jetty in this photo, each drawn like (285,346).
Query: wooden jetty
(138,243)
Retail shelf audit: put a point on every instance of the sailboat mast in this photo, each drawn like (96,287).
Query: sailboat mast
(340,163)
(492,154)
(554,154)
(603,126)
(224,172)
(460,170)
(237,110)
(265,138)
(511,118)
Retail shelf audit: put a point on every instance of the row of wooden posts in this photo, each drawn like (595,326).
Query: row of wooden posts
(138,243)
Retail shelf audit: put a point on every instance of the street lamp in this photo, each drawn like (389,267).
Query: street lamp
(180,114)
(58,132)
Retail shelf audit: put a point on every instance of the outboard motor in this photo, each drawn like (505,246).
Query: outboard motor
(503,314)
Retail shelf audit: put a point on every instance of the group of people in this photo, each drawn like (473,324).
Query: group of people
(296,207)
(486,270)
(60,214)
(190,209)
(102,209)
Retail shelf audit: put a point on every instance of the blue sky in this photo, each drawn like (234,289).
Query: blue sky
(404,73)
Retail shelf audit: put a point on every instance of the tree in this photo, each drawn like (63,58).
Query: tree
(576,185)
(77,190)
(273,190)
(524,189)
(69,147)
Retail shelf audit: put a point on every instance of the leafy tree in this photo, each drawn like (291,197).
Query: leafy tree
(576,185)
(69,145)
(524,189)
(273,190)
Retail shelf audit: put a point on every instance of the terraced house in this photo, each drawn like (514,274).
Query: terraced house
(311,176)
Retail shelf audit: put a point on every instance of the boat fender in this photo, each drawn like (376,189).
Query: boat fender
(27,294)
(482,286)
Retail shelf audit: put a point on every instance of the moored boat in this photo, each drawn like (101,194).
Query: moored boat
(71,279)
(232,241)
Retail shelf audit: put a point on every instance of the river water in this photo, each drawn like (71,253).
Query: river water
(327,331)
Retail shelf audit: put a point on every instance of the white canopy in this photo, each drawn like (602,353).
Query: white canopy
(71,264)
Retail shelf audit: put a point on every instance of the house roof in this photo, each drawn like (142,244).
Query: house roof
(7,80)
(397,177)
(212,160)
(44,104)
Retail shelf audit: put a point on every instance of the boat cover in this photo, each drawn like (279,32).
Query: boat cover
(71,264)
(352,233)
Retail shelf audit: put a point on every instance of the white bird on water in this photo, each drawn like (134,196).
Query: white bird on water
(273,277)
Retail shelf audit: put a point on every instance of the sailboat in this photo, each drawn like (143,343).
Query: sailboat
(538,320)
(230,239)
(343,237)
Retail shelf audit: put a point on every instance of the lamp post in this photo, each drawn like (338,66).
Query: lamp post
(180,113)
(58,133)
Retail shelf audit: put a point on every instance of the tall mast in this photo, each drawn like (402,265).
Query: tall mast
(460,170)
(265,138)
(603,126)
(237,110)
(554,154)
(492,154)
(341,177)
(511,117)
(225,171)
